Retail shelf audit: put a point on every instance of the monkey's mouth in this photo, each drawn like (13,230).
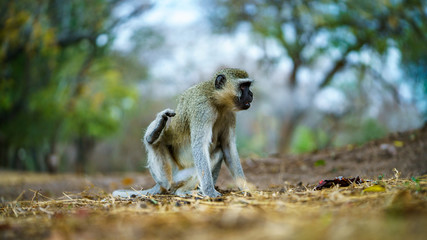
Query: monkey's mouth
(246,105)
(243,104)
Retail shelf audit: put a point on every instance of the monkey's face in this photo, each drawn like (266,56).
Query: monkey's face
(233,89)
(244,96)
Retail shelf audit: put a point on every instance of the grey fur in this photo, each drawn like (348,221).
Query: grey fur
(190,150)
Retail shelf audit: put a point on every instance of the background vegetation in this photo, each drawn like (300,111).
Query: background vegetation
(75,94)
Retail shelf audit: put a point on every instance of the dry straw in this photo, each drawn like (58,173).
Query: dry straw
(293,211)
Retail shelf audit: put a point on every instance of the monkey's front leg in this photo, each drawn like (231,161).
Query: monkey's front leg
(232,161)
(200,149)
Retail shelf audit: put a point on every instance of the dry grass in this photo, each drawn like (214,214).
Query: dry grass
(296,212)
(394,209)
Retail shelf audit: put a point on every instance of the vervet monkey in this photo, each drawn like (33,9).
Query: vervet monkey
(186,147)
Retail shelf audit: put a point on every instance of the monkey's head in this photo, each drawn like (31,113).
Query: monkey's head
(232,89)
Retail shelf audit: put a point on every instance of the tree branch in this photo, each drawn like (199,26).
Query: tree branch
(70,39)
(137,11)
(75,37)
(339,64)
(388,85)
(294,54)
(337,67)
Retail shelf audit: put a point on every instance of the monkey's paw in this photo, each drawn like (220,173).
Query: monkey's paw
(167,113)
(245,186)
(212,194)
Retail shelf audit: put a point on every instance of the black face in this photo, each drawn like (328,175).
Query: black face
(246,97)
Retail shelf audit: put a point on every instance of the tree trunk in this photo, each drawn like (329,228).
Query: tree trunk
(4,156)
(51,159)
(288,123)
(84,145)
(286,132)
(287,129)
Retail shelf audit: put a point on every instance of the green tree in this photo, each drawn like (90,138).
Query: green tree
(59,79)
(312,30)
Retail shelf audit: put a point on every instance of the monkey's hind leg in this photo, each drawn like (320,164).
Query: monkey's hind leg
(188,177)
(217,157)
(160,162)
(186,182)
(156,127)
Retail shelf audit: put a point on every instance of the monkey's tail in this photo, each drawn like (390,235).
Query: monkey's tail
(122,193)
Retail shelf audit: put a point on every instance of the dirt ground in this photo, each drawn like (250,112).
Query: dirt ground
(391,204)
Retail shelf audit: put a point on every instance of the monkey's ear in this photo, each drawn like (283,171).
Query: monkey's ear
(220,81)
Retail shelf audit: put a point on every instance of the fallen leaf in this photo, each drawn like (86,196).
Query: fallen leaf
(320,162)
(375,188)
(127,181)
(398,143)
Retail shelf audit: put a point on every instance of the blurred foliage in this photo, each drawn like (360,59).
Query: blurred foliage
(307,140)
(369,129)
(309,31)
(303,141)
(340,25)
(356,131)
(251,138)
(60,82)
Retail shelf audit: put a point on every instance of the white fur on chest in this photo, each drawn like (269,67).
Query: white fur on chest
(185,155)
